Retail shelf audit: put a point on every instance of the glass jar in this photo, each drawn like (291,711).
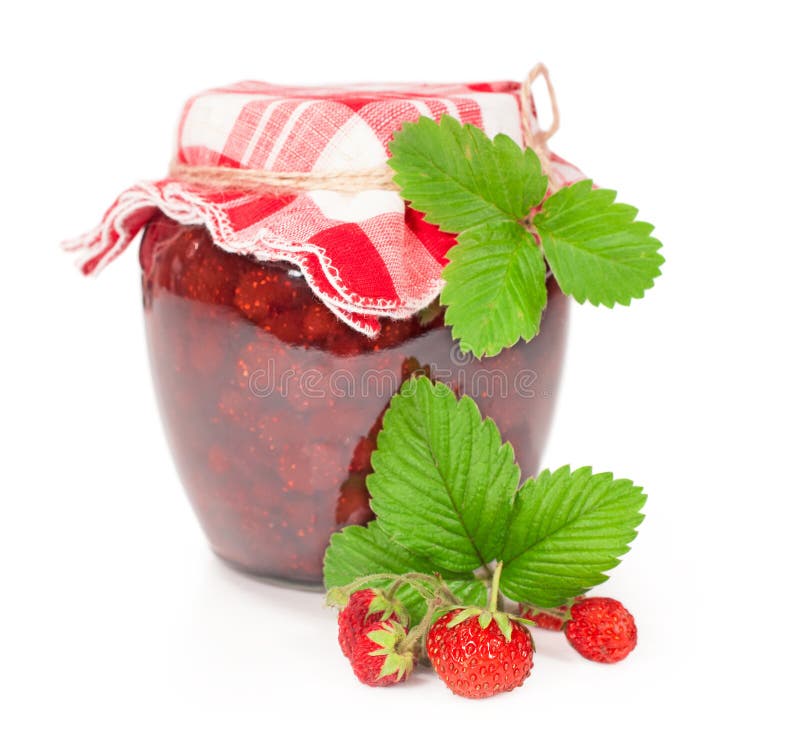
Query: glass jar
(272,406)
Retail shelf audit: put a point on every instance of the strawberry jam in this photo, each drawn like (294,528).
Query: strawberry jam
(272,406)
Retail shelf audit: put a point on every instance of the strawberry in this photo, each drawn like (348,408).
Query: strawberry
(601,629)
(378,657)
(318,323)
(364,608)
(362,455)
(478,653)
(352,505)
(547,619)
(544,620)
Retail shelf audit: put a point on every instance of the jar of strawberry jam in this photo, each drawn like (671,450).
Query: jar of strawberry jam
(281,322)
(272,406)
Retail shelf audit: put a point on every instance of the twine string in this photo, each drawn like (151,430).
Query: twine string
(376,178)
(537,135)
(532,135)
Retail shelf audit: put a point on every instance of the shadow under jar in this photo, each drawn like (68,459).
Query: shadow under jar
(272,406)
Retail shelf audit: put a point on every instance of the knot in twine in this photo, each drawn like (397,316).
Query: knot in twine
(377,178)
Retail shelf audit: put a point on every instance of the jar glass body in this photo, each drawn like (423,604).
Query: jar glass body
(272,406)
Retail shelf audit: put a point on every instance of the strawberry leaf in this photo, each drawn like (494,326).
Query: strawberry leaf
(357,551)
(567,529)
(444,481)
(460,178)
(596,248)
(495,287)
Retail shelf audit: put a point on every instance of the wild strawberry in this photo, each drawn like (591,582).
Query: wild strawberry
(547,619)
(364,608)
(318,322)
(479,656)
(542,619)
(378,658)
(360,461)
(262,292)
(352,506)
(601,629)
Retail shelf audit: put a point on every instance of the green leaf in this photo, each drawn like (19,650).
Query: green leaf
(595,247)
(495,287)
(460,178)
(357,551)
(504,623)
(568,528)
(444,482)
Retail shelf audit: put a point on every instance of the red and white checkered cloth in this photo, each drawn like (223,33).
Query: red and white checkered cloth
(365,254)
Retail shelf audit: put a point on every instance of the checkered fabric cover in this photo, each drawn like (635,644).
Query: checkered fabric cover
(367,254)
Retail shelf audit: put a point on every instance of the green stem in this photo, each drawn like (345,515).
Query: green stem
(563,616)
(428,586)
(420,629)
(495,591)
(359,583)
(396,579)
(445,591)
(414,576)
(399,582)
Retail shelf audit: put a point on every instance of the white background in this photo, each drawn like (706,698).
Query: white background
(116,618)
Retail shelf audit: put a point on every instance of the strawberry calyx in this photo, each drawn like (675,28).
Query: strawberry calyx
(485,618)
(487,615)
(390,637)
(387,607)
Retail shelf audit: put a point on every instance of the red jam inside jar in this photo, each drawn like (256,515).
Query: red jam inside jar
(272,405)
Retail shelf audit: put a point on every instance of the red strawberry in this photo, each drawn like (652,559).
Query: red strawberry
(362,455)
(544,620)
(364,608)
(601,629)
(547,620)
(318,322)
(377,659)
(352,506)
(474,657)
